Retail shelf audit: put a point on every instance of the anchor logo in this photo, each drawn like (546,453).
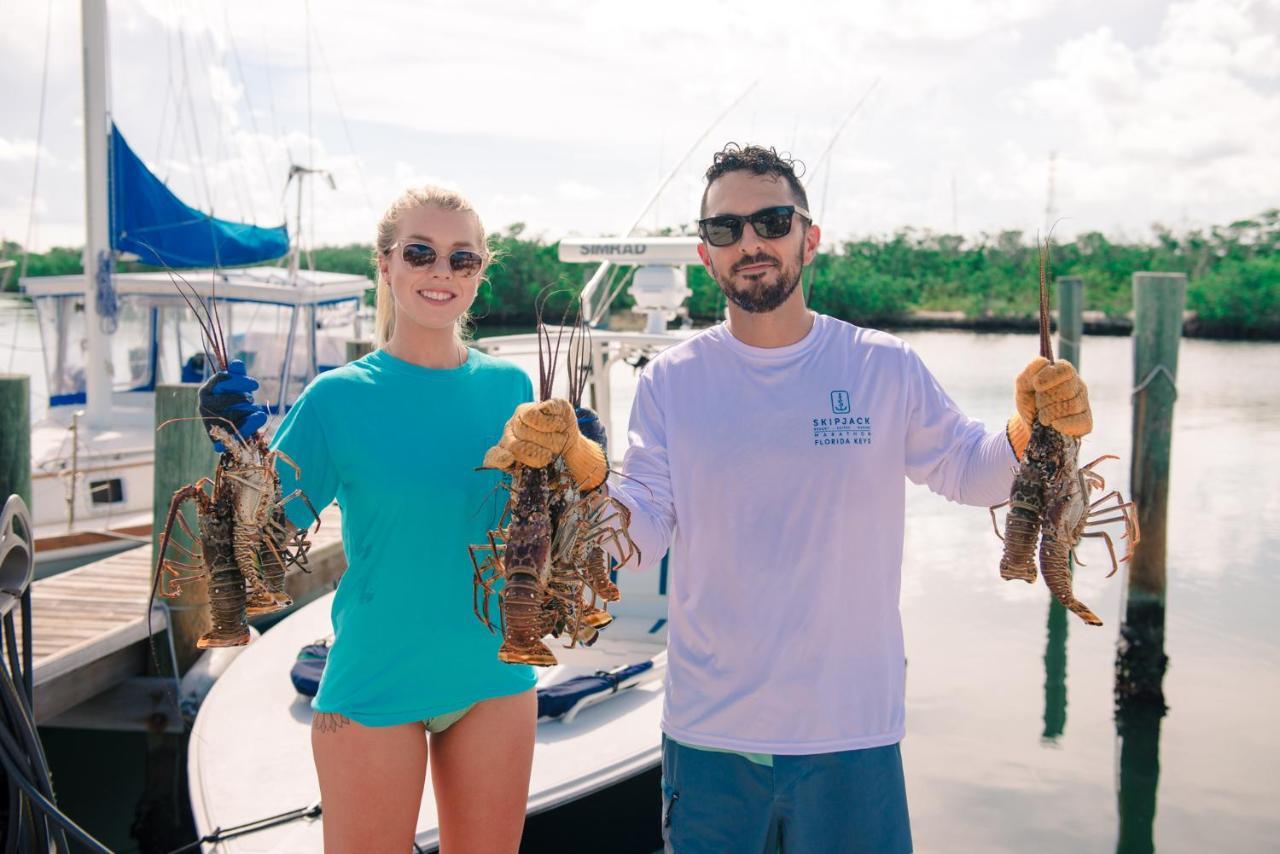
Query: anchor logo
(840,402)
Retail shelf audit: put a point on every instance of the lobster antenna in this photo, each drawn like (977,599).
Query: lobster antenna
(545,363)
(1046,345)
(210,340)
(579,352)
(217,319)
(564,318)
(201,313)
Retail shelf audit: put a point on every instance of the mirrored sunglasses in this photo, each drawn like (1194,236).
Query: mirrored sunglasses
(462,262)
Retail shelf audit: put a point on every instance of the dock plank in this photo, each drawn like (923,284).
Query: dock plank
(88,616)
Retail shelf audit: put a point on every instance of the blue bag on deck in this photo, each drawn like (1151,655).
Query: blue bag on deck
(306,671)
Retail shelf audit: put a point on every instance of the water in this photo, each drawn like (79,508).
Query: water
(981,775)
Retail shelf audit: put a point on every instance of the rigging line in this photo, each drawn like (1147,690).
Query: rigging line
(224,151)
(35,174)
(253,120)
(180,104)
(853,111)
(311,148)
(594,283)
(614,290)
(271,97)
(826,178)
(168,93)
(35,167)
(195,129)
(346,129)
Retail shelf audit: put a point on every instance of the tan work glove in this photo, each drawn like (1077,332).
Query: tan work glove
(538,432)
(1056,395)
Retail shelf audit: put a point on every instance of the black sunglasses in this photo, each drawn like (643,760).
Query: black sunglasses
(769,223)
(463,262)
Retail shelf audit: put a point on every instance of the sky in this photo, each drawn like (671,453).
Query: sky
(566,116)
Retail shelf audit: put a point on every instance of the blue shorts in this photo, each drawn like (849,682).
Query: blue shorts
(834,803)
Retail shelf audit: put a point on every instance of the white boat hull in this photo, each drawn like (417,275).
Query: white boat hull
(250,750)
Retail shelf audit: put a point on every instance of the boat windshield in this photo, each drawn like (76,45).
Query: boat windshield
(157,340)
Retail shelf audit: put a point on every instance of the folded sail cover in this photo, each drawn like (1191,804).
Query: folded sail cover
(154,224)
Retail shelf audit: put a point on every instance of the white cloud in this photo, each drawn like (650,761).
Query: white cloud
(565,114)
(577,191)
(15,150)
(1187,122)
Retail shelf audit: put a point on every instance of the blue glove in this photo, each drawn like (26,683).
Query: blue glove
(226,401)
(589,425)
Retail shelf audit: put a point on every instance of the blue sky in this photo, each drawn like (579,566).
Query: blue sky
(564,115)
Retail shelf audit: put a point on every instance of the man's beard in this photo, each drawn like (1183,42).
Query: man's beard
(757,297)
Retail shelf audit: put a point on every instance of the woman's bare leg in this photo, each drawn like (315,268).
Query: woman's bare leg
(480,770)
(371,781)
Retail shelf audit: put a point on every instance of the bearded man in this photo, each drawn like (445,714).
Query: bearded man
(776,447)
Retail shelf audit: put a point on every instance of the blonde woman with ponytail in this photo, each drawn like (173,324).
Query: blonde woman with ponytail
(395,437)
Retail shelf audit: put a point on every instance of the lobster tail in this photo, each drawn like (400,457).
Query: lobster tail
(1082,611)
(525,558)
(1021,532)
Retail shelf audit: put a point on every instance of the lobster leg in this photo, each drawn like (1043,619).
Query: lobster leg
(175,579)
(192,492)
(298,493)
(1089,466)
(995,524)
(480,586)
(1115,565)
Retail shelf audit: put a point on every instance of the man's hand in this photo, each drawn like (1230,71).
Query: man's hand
(538,432)
(226,401)
(1053,393)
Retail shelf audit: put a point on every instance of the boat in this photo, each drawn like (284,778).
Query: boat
(109,337)
(249,762)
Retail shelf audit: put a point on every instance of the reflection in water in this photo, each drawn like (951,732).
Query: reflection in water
(1055,673)
(1140,668)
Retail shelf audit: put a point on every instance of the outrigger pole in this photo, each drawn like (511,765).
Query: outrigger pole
(826,179)
(594,315)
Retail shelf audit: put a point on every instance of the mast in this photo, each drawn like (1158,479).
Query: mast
(97,246)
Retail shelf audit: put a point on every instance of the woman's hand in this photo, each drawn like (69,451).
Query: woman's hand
(226,401)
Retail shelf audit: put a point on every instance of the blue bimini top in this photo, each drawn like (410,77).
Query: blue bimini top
(398,445)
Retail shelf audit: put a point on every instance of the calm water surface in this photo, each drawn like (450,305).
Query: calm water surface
(982,775)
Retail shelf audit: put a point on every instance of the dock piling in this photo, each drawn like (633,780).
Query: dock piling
(1140,659)
(15,437)
(358,349)
(1158,301)
(184,454)
(1070,318)
(1070,330)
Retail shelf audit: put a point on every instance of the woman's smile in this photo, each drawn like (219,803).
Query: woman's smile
(436,297)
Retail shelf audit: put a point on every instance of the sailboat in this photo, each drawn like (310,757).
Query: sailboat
(109,337)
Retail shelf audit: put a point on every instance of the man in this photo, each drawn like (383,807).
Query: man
(776,447)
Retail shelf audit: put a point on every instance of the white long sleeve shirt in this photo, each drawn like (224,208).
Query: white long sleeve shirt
(782,473)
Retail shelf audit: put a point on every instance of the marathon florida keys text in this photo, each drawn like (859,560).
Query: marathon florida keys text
(841,427)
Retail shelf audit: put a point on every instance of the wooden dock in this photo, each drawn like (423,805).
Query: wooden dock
(89,635)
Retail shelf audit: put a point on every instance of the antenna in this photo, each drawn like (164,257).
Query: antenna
(826,178)
(1050,204)
(595,313)
(955,228)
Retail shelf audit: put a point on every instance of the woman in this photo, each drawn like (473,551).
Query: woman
(396,438)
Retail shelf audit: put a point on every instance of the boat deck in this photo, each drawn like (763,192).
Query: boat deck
(89,625)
